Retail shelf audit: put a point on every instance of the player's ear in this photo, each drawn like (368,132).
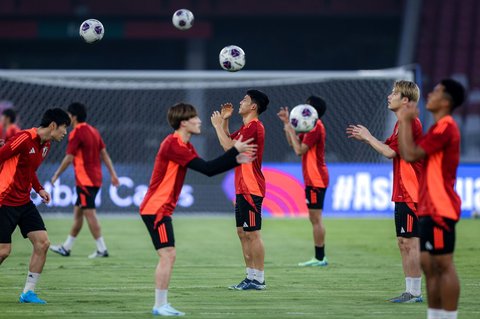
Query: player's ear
(53,126)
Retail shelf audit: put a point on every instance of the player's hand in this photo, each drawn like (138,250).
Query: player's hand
(226,110)
(245,147)
(244,158)
(2,142)
(114,180)
(408,112)
(283,115)
(45,196)
(358,132)
(216,119)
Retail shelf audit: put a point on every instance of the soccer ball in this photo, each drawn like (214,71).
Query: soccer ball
(303,118)
(91,30)
(183,19)
(232,58)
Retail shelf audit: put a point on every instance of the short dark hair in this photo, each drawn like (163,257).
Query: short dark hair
(454,91)
(10,113)
(57,115)
(259,98)
(79,110)
(318,103)
(180,112)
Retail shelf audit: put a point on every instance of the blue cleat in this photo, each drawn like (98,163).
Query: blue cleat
(406,297)
(31,297)
(254,285)
(167,310)
(240,285)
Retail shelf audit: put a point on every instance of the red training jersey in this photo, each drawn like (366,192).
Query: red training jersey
(437,194)
(85,144)
(315,172)
(249,178)
(167,177)
(20,158)
(10,132)
(406,176)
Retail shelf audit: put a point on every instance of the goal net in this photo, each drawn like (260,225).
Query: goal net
(129,109)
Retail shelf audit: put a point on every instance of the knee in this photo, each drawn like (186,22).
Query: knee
(241,233)
(169,256)
(42,245)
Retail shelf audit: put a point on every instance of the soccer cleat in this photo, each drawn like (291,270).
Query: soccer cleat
(98,254)
(240,285)
(254,285)
(31,297)
(167,310)
(60,250)
(406,297)
(314,262)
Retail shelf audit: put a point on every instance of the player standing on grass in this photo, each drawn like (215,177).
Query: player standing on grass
(249,184)
(439,204)
(175,155)
(20,158)
(8,128)
(311,146)
(85,149)
(405,189)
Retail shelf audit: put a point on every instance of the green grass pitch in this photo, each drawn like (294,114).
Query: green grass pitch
(364,270)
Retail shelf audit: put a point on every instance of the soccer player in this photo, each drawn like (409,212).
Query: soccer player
(20,157)
(249,184)
(439,204)
(311,146)
(405,189)
(175,155)
(8,128)
(85,149)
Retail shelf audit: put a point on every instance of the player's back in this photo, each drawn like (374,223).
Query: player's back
(85,144)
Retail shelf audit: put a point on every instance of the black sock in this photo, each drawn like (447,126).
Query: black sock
(320,252)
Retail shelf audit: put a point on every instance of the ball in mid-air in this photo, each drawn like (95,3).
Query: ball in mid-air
(91,30)
(183,19)
(303,118)
(232,58)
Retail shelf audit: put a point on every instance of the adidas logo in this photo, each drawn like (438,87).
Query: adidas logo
(245,224)
(402,231)
(428,246)
(32,151)
(307,201)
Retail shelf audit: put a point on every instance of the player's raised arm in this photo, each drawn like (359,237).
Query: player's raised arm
(283,116)
(361,133)
(225,140)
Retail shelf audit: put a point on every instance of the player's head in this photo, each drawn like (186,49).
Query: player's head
(8,117)
(184,116)
(79,111)
(318,104)
(57,121)
(254,100)
(402,93)
(448,94)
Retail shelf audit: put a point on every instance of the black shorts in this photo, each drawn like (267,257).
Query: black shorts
(248,212)
(315,197)
(435,239)
(26,217)
(162,235)
(86,196)
(406,221)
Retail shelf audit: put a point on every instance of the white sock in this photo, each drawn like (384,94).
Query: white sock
(101,247)
(408,284)
(434,313)
(68,244)
(250,273)
(259,276)
(160,297)
(450,314)
(32,279)
(416,286)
